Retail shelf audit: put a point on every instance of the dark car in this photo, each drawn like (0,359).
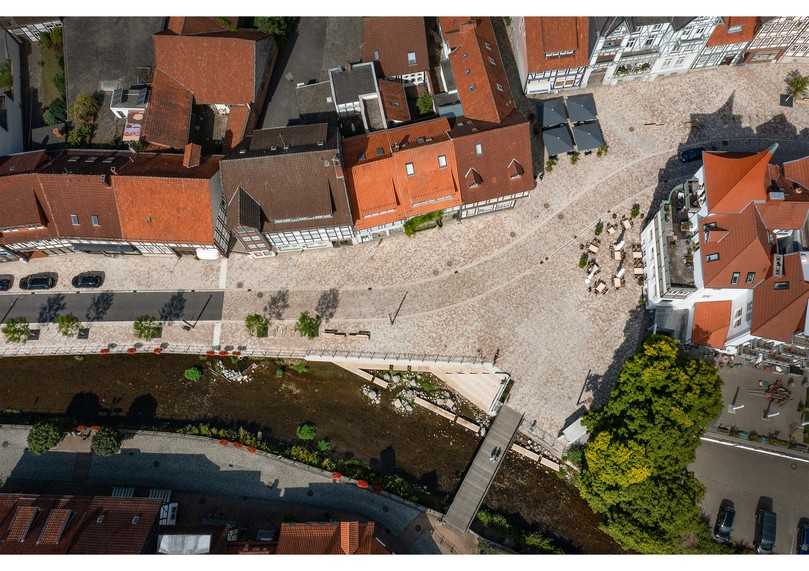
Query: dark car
(5,282)
(690,155)
(803,538)
(88,280)
(38,281)
(724,523)
(765,526)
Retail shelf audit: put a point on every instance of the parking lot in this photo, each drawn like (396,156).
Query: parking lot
(748,479)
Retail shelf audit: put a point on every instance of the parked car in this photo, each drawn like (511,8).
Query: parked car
(803,538)
(724,523)
(5,282)
(88,280)
(690,155)
(765,527)
(38,281)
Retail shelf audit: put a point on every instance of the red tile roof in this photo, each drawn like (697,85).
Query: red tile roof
(85,195)
(798,171)
(711,323)
(545,35)
(721,35)
(21,162)
(733,180)
(199,24)
(477,68)
(34,524)
(237,125)
(21,205)
(214,68)
(391,39)
(742,242)
(779,313)
(394,100)
(783,215)
(168,117)
(378,184)
(342,538)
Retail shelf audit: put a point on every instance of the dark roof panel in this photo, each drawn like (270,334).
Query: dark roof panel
(553,112)
(582,108)
(588,136)
(557,140)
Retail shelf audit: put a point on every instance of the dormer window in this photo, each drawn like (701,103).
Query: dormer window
(515,169)
(473,179)
(74,219)
(499,87)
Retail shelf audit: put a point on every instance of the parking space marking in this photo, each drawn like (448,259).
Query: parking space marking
(753,449)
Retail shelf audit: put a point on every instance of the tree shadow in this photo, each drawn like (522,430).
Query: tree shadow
(84,407)
(327,304)
(53,305)
(143,409)
(173,309)
(99,306)
(277,304)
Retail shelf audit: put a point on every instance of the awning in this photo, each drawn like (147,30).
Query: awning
(557,140)
(582,108)
(553,112)
(104,248)
(588,136)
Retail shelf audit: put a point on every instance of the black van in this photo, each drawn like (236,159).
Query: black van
(765,525)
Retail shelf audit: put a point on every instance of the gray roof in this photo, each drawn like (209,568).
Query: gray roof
(349,83)
(449,78)
(314,102)
(342,42)
(557,140)
(107,53)
(249,210)
(588,136)
(553,112)
(294,138)
(582,108)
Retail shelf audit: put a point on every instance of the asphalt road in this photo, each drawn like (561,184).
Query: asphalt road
(109,306)
(747,478)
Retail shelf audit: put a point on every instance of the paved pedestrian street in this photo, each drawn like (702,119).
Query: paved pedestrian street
(504,284)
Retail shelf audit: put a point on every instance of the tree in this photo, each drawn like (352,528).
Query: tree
(83,110)
(306,431)
(106,442)
(146,328)
(6,79)
(424,103)
(635,212)
(67,324)
(44,436)
(55,113)
(80,135)
(307,325)
(192,374)
(16,330)
(634,468)
(797,84)
(277,26)
(257,325)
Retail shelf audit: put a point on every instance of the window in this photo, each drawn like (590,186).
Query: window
(630,43)
(74,219)
(376,55)
(488,46)
(734,279)
(411,58)
(499,87)
(471,87)
(442,161)
(738,312)
(409,169)
(712,257)
(94,220)
(734,29)
(478,148)
(781,285)
(737,323)
(491,61)
(750,277)
(649,42)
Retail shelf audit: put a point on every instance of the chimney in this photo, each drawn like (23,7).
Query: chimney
(191,155)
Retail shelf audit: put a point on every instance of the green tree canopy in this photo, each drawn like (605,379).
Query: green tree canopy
(425,103)
(635,465)
(256,325)
(307,325)
(797,84)
(83,110)
(106,442)
(44,436)
(146,327)
(276,25)
(68,324)
(306,431)
(16,330)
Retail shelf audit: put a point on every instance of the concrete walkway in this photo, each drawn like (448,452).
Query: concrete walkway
(202,465)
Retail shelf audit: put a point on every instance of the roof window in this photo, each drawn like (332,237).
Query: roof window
(712,257)
(734,279)
(488,46)
(471,87)
(499,87)
(74,219)
(376,55)
(781,285)
(491,61)
(442,161)
(410,169)
(411,58)
(478,148)
(734,29)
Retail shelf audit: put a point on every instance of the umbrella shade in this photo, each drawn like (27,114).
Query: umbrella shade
(588,136)
(553,112)
(582,108)
(557,140)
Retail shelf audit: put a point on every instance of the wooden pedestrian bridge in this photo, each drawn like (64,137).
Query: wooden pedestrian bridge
(484,467)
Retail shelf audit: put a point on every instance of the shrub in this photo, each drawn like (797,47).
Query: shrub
(328,464)
(307,325)
(83,110)
(574,157)
(45,40)
(277,26)
(302,454)
(80,136)
(412,225)
(59,82)
(56,38)
(550,163)
(300,367)
(635,212)
(424,103)
(306,431)
(257,325)
(55,113)
(599,228)
(602,150)
(535,542)
(44,436)
(16,330)
(584,259)
(106,442)
(6,79)
(146,328)
(68,324)
(192,374)
(323,445)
